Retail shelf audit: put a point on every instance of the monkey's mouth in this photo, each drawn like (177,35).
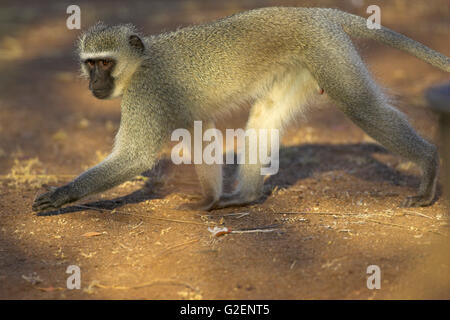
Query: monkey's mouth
(102,93)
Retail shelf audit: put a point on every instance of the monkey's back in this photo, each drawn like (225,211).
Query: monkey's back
(231,56)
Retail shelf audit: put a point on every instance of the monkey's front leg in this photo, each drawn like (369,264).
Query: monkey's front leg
(114,170)
(249,188)
(210,178)
(267,114)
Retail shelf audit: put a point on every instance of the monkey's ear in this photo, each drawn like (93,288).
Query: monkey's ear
(136,43)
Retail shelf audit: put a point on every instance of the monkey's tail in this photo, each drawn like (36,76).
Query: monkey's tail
(356,26)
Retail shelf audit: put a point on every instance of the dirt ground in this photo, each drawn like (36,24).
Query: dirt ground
(334,203)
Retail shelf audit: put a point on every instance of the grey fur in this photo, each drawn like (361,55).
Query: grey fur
(276,58)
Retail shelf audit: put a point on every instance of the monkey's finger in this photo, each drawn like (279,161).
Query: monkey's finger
(41,201)
(39,207)
(45,207)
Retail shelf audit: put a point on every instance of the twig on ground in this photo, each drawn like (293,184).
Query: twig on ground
(238,215)
(217,231)
(293,264)
(97,284)
(365,218)
(413,213)
(388,223)
(403,227)
(177,246)
(140,215)
(319,213)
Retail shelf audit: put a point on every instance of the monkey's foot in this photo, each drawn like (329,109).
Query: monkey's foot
(234,199)
(51,200)
(417,201)
(204,205)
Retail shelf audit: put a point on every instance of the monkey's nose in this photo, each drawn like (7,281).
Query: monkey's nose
(98,85)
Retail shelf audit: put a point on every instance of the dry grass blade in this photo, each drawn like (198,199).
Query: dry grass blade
(97,284)
(238,215)
(402,226)
(413,213)
(364,217)
(91,234)
(318,213)
(177,246)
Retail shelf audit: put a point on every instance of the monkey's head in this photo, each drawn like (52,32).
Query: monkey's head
(108,57)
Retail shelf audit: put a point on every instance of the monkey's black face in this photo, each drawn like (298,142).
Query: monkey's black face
(101,82)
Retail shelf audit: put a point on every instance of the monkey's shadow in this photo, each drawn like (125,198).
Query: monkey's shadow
(296,163)
(312,160)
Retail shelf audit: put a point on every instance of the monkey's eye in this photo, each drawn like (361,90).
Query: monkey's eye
(90,63)
(106,63)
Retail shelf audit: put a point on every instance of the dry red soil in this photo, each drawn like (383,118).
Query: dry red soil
(334,203)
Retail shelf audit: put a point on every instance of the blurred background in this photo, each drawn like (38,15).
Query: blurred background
(336,196)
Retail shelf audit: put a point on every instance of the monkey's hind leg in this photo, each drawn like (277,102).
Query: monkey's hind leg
(274,111)
(390,128)
(210,178)
(359,97)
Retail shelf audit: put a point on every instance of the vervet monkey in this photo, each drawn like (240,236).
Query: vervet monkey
(278,59)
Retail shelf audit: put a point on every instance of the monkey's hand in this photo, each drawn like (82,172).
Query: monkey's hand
(53,199)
